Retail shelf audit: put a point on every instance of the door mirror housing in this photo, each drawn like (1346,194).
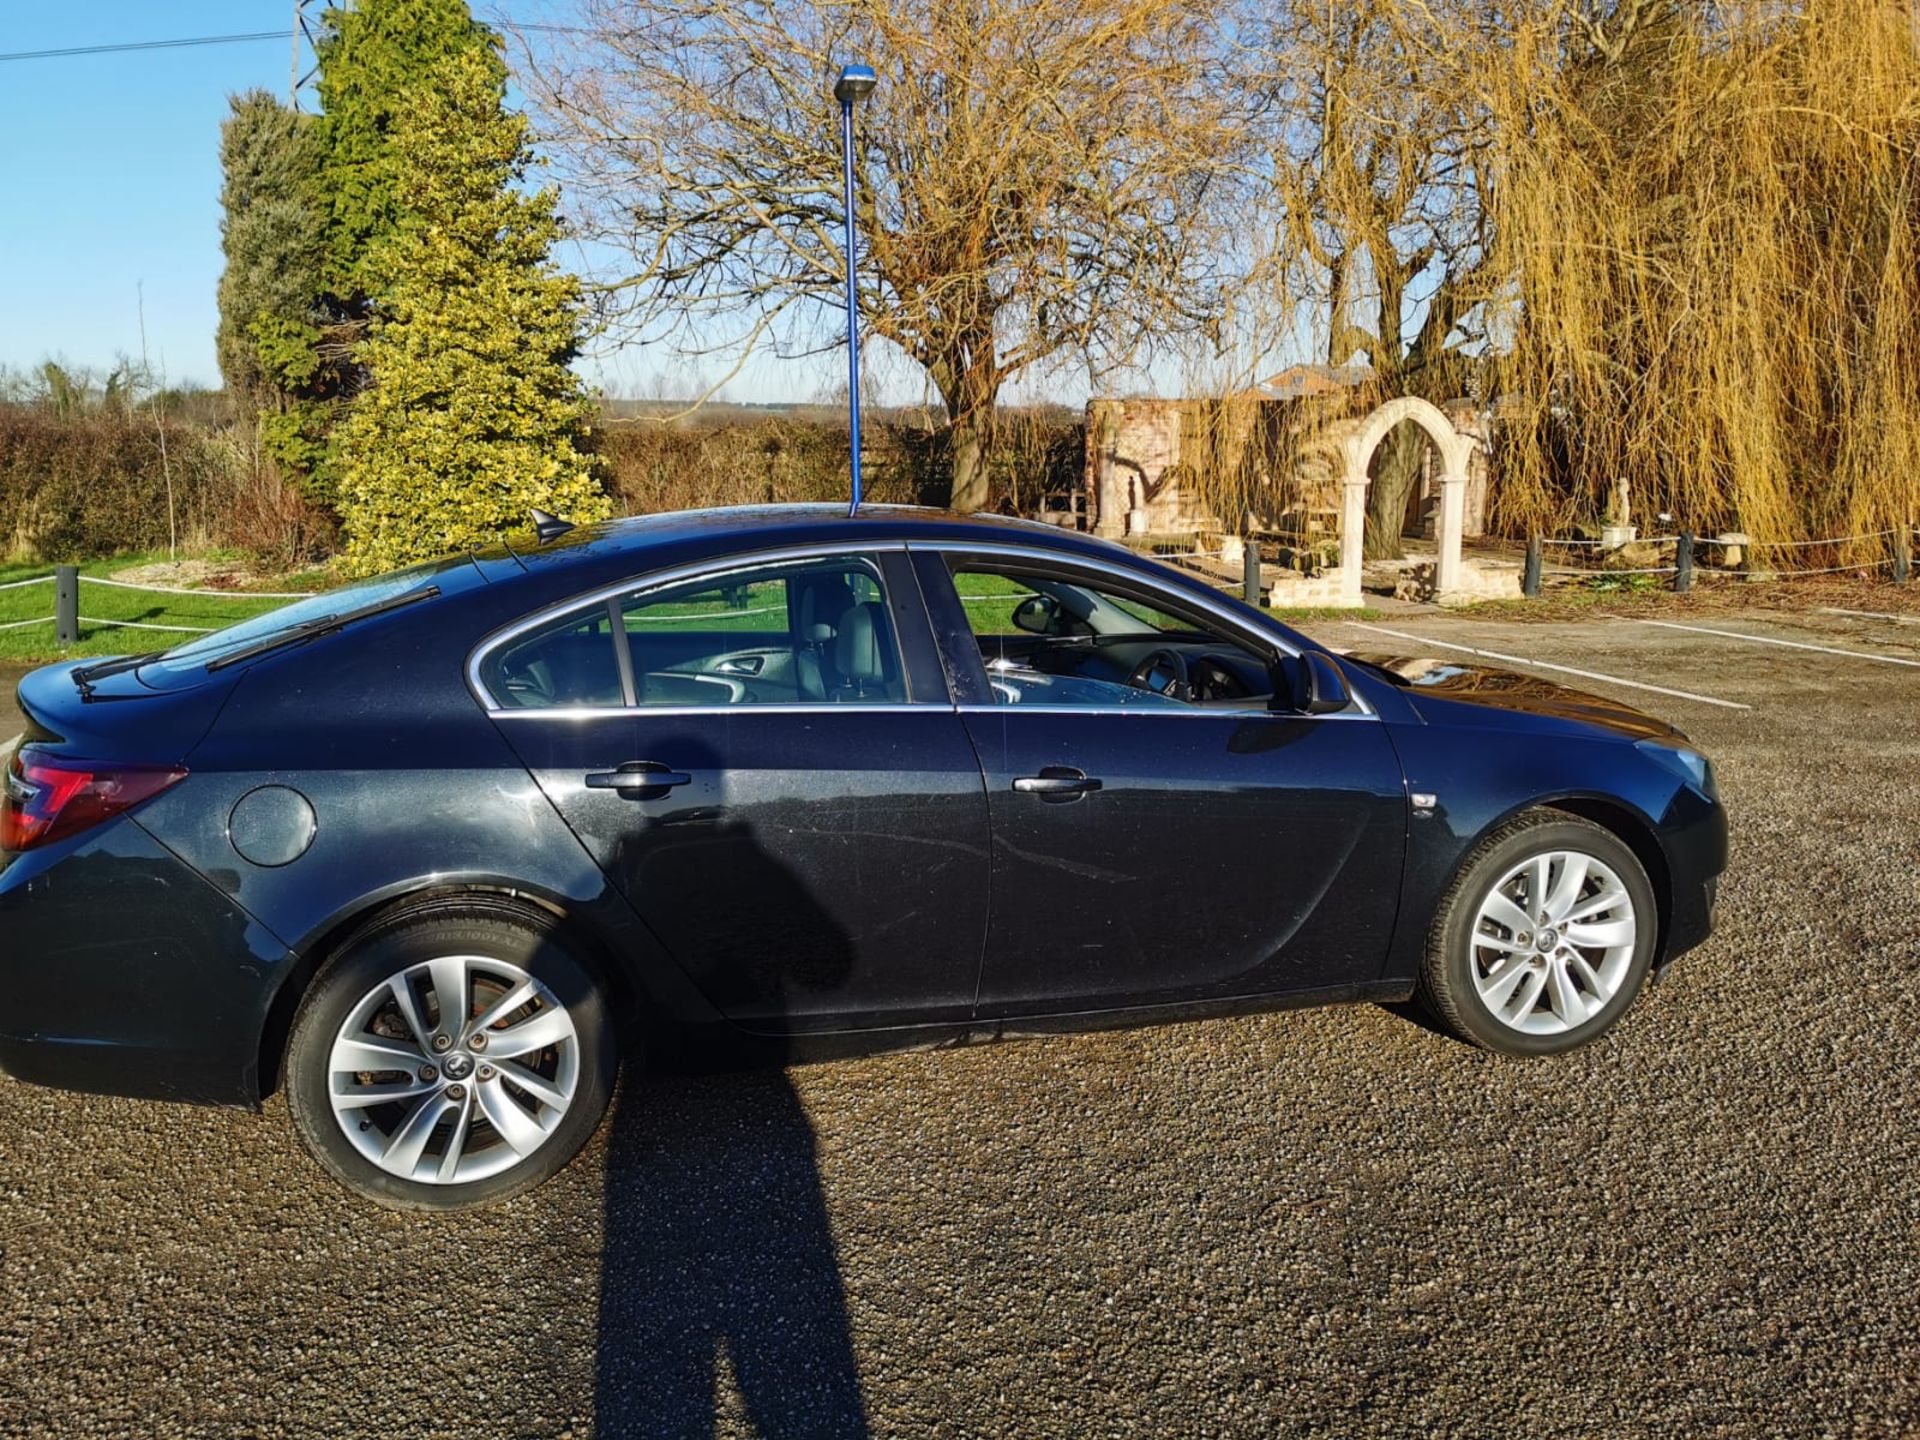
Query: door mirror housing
(1326,685)
(1036,614)
(1310,683)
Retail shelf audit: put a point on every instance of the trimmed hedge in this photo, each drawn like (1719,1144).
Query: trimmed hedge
(652,467)
(95,485)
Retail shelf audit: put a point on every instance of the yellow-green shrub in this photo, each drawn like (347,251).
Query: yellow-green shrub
(472,417)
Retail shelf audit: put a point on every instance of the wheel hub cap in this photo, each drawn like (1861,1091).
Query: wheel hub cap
(421,1027)
(1553,942)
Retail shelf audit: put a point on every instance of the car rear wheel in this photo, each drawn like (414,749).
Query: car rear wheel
(448,1059)
(1544,939)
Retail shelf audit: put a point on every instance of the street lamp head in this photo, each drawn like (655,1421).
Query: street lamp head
(856,82)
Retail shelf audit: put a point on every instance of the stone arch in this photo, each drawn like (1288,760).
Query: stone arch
(1456,451)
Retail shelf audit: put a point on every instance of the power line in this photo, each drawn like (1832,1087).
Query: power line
(145,45)
(131,45)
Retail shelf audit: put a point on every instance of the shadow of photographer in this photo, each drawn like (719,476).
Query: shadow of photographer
(716,1237)
(716,1242)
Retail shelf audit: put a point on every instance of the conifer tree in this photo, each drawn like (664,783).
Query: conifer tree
(271,233)
(471,415)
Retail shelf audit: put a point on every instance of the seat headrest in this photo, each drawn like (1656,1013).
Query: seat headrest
(823,600)
(857,651)
(580,670)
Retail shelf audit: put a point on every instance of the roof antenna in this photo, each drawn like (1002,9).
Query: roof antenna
(548,527)
(856,82)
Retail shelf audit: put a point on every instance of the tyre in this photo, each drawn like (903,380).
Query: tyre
(1544,938)
(450,1058)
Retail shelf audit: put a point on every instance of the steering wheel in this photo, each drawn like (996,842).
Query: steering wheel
(1170,664)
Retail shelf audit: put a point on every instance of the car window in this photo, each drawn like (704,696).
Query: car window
(568,662)
(797,632)
(992,599)
(1058,640)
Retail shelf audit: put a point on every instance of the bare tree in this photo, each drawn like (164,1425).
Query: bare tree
(1039,180)
(1375,149)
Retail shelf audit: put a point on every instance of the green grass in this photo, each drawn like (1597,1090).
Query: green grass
(35,644)
(1293,614)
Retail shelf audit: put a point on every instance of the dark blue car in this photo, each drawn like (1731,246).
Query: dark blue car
(777,783)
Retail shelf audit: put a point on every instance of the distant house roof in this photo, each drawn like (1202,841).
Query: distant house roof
(1299,381)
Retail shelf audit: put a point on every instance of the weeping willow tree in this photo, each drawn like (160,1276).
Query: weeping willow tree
(1703,218)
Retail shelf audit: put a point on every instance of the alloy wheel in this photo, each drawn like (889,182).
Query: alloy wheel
(1553,942)
(453,1070)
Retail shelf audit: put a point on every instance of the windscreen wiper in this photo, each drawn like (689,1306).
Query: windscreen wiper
(84,677)
(320,625)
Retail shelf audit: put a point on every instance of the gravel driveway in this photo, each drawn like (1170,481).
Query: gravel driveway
(1333,1222)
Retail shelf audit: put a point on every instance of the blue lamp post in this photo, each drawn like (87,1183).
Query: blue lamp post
(856,82)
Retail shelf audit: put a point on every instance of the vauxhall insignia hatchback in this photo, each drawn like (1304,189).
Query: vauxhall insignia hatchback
(434,852)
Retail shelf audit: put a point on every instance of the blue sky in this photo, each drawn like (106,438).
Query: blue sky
(111,192)
(110,198)
(112,178)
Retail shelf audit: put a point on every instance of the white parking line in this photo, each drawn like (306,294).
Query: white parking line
(1547,665)
(1787,644)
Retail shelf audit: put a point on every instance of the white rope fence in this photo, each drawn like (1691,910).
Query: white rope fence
(143,625)
(1651,570)
(199,594)
(1582,572)
(110,623)
(713,614)
(1837,540)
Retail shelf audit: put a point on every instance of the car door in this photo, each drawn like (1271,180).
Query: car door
(1148,851)
(764,758)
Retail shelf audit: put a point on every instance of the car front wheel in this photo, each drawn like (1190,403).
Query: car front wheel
(1544,939)
(450,1058)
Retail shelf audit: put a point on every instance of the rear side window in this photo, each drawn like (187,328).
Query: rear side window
(813,631)
(796,632)
(568,662)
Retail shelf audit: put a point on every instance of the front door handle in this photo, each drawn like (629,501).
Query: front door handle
(1061,781)
(637,777)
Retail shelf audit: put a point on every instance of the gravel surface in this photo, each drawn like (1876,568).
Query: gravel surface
(1333,1222)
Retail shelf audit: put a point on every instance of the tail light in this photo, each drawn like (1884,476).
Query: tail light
(48,799)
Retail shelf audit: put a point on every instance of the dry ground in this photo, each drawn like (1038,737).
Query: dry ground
(1332,1223)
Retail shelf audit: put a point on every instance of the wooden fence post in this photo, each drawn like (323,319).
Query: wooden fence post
(1250,571)
(66,604)
(1530,577)
(1902,553)
(1683,563)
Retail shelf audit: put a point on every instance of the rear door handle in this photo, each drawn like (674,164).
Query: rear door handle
(1057,780)
(637,777)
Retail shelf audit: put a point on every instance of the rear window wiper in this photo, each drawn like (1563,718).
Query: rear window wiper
(320,625)
(84,677)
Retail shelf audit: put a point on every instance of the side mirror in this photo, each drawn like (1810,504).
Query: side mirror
(1315,684)
(1036,614)
(1326,685)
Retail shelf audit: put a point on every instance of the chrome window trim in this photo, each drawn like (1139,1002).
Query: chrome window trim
(828,707)
(693,570)
(776,707)
(1184,712)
